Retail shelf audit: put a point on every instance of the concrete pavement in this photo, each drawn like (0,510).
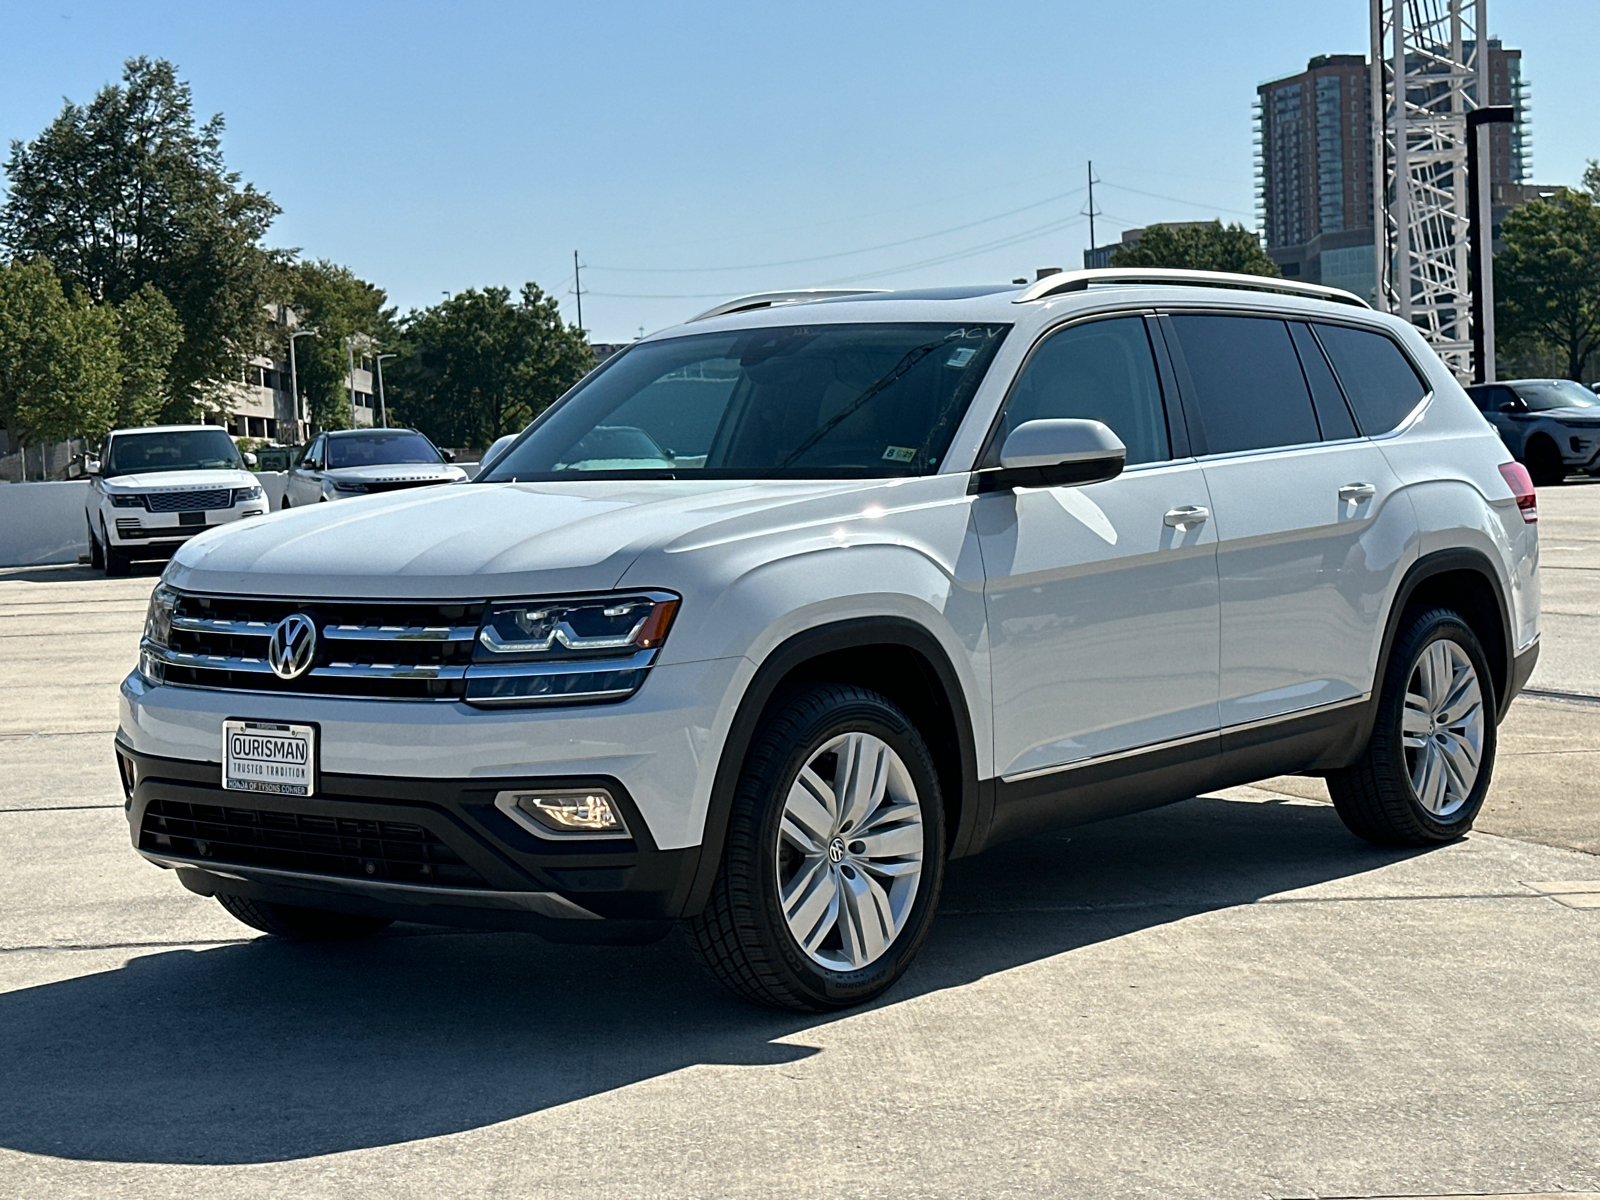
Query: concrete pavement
(1227,997)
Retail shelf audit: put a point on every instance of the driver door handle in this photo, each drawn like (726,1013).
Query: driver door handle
(1188,514)
(1357,491)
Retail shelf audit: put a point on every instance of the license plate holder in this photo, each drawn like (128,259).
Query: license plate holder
(188,520)
(269,756)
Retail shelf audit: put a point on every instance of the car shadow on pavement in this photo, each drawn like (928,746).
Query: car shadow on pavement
(271,1051)
(80,573)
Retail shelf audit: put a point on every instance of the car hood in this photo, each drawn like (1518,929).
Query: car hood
(485,540)
(1571,416)
(179,481)
(397,473)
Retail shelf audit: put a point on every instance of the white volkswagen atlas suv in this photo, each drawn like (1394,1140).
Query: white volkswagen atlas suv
(777,612)
(152,489)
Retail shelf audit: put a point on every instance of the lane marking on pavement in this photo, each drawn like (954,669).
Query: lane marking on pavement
(1577,893)
(1201,906)
(59,808)
(1583,698)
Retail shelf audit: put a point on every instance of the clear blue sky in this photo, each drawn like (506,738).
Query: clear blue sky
(433,147)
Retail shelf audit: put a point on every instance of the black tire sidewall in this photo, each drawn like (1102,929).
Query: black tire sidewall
(1437,625)
(855,710)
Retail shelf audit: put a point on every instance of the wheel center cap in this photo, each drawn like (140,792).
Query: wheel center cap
(836,850)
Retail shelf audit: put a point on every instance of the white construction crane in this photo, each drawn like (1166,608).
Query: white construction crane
(1429,69)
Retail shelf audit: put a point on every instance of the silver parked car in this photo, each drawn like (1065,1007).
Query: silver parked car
(358,462)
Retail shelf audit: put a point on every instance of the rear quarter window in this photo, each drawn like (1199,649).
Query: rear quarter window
(1378,379)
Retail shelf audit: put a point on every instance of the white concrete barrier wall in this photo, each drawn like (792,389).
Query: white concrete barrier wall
(44,522)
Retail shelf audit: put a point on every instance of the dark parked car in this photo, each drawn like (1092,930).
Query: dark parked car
(1551,426)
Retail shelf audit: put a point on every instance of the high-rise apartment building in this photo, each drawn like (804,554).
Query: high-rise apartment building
(1314,164)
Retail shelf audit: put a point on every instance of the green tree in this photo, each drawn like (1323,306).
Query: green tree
(1199,247)
(59,358)
(336,303)
(129,191)
(482,364)
(148,335)
(1547,279)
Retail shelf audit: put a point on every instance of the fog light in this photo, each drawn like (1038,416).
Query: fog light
(579,812)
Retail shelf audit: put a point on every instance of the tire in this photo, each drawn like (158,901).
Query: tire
(97,554)
(117,562)
(1409,788)
(301,924)
(1544,463)
(864,907)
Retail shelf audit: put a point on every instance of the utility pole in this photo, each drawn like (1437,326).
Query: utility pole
(577,287)
(383,411)
(1480,251)
(1091,212)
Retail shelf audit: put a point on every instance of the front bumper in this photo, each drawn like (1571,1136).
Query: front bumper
(430,850)
(155,533)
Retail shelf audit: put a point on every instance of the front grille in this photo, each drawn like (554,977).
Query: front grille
(349,848)
(371,649)
(188,501)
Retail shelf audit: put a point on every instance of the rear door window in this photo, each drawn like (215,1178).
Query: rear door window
(1377,378)
(1245,381)
(1098,371)
(1333,414)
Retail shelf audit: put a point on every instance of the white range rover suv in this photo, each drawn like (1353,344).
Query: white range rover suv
(153,489)
(777,612)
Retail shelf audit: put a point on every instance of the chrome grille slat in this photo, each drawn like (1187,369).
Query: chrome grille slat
(386,671)
(211,662)
(398,633)
(230,628)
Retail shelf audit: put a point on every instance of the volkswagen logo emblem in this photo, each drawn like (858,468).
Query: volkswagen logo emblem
(292,646)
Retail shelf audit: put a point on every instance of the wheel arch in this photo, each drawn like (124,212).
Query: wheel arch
(1464,580)
(891,655)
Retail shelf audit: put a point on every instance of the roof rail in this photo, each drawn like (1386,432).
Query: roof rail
(1079,281)
(771,299)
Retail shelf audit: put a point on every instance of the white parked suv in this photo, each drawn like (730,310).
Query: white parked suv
(153,489)
(348,463)
(777,612)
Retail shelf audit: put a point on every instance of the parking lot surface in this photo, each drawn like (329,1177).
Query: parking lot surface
(1227,997)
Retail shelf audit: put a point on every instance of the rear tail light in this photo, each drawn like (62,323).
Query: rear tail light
(1521,484)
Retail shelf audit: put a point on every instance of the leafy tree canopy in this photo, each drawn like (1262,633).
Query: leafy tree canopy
(333,301)
(1198,247)
(128,192)
(1547,279)
(482,364)
(59,358)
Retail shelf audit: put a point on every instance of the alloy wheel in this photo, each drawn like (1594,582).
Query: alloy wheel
(1443,727)
(850,847)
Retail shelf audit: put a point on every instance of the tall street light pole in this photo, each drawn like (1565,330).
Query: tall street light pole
(294,379)
(383,411)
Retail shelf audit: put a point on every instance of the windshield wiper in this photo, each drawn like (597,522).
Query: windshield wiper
(908,360)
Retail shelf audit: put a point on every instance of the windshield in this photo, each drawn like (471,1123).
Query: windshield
(173,450)
(1556,393)
(380,449)
(814,401)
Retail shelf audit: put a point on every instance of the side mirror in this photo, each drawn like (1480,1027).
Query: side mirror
(249,459)
(91,466)
(1056,453)
(1514,406)
(449,455)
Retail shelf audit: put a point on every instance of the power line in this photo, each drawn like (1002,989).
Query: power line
(792,262)
(1178,200)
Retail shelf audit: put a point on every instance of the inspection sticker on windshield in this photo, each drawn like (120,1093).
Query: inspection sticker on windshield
(258,756)
(960,357)
(899,454)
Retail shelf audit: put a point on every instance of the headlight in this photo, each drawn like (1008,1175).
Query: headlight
(240,495)
(125,501)
(157,631)
(586,650)
(348,485)
(592,627)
